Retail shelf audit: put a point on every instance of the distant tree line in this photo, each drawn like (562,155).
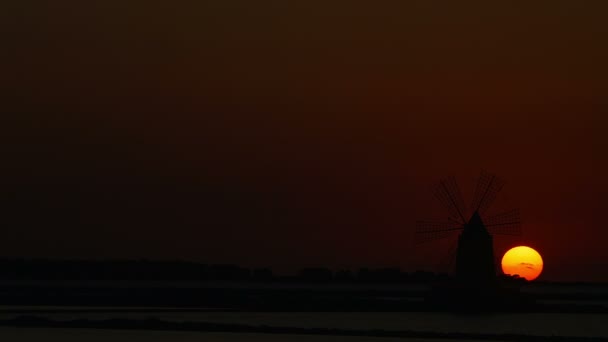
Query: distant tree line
(42,269)
(368,275)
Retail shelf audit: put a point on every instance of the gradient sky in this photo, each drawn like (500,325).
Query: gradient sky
(299,133)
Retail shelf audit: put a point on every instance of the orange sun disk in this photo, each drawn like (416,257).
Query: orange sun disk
(522,261)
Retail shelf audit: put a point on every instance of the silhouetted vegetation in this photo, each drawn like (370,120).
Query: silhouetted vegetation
(143,270)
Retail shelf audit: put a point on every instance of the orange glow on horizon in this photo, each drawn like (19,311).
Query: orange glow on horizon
(523,261)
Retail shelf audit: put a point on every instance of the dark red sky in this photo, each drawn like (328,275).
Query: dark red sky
(298,133)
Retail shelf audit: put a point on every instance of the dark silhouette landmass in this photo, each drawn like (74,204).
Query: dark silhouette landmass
(160,325)
(145,283)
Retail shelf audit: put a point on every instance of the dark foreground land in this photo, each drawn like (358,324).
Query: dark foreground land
(314,305)
(236,296)
(159,325)
(280,298)
(229,287)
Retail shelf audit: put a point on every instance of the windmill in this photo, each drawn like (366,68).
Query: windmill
(475,251)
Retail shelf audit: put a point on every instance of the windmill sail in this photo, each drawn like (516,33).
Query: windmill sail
(488,187)
(506,223)
(427,231)
(448,194)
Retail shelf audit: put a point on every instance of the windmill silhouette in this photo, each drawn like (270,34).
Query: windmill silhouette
(475,263)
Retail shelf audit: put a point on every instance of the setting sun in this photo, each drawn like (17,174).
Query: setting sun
(523,261)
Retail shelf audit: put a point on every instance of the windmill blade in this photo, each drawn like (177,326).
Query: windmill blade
(488,186)
(450,197)
(507,223)
(430,231)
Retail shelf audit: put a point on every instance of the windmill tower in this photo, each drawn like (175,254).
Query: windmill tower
(475,252)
